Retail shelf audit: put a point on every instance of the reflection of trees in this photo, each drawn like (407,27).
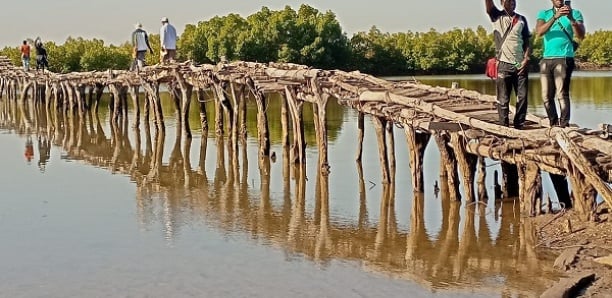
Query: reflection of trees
(178,192)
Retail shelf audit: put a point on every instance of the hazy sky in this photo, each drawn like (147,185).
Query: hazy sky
(113,20)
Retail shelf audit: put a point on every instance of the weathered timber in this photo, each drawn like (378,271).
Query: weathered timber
(417,143)
(583,165)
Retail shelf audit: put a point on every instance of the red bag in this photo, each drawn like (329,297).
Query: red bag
(491,69)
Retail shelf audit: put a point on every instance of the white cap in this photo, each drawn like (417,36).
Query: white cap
(164,19)
(138,25)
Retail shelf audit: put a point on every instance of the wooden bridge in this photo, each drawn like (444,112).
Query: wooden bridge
(462,122)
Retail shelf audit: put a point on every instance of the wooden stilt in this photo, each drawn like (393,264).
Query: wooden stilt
(482,175)
(530,188)
(379,125)
(134,91)
(202,105)
(360,133)
(448,166)
(284,120)
(391,151)
(417,143)
(467,165)
(299,142)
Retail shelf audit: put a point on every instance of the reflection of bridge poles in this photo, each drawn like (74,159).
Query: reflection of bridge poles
(440,262)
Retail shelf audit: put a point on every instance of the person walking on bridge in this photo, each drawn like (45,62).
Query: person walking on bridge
(168,38)
(559,26)
(140,42)
(511,34)
(25,55)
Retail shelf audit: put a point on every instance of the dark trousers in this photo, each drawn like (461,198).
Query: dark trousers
(555,75)
(508,79)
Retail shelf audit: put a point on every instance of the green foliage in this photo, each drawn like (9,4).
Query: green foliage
(596,48)
(311,37)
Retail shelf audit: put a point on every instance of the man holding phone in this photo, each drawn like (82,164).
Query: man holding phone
(511,35)
(559,26)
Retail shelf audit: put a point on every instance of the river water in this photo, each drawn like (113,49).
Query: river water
(90,209)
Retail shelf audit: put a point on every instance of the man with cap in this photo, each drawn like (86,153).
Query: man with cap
(167,37)
(140,42)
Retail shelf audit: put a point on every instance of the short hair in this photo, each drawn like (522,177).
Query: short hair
(25,42)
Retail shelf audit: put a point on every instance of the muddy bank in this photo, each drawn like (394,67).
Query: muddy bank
(589,66)
(583,248)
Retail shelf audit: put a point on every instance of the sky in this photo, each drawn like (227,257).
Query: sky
(113,20)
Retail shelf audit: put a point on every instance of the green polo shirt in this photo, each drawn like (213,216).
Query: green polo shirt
(556,42)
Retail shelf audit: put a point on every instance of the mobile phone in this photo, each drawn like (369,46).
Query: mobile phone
(567,3)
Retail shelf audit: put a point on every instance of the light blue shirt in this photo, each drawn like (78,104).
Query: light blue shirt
(167,36)
(556,43)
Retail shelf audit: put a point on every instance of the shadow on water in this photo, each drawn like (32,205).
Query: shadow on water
(212,181)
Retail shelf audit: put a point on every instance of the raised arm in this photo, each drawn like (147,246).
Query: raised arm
(577,22)
(490,6)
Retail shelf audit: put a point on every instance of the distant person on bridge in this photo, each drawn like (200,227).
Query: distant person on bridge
(511,34)
(167,37)
(559,26)
(140,42)
(41,55)
(25,55)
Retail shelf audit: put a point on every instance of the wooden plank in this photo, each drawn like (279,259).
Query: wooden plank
(447,126)
(481,113)
(584,166)
(470,108)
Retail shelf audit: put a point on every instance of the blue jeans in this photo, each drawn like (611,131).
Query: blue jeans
(26,63)
(508,78)
(555,75)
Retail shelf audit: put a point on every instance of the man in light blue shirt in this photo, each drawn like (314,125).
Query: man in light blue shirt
(558,26)
(168,38)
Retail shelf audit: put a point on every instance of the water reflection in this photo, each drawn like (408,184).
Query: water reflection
(177,191)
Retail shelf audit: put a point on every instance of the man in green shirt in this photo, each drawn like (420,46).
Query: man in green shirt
(558,26)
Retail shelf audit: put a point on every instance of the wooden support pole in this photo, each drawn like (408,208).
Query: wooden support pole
(81,99)
(321,99)
(99,92)
(584,166)
(360,133)
(235,104)
(284,120)
(584,194)
(482,176)
(379,125)
(134,91)
(219,116)
(467,165)
(203,115)
(262,125)
(391,151)
(117,101)
(299,142)
(448,167)
(186,92)
(417,143)
(530,188)
(244,96)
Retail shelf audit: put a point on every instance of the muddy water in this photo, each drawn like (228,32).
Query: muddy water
(93,209)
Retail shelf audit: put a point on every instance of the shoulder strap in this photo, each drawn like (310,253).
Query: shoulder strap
(565,31)
(514,20)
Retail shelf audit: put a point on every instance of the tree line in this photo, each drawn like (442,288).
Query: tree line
(311,37)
